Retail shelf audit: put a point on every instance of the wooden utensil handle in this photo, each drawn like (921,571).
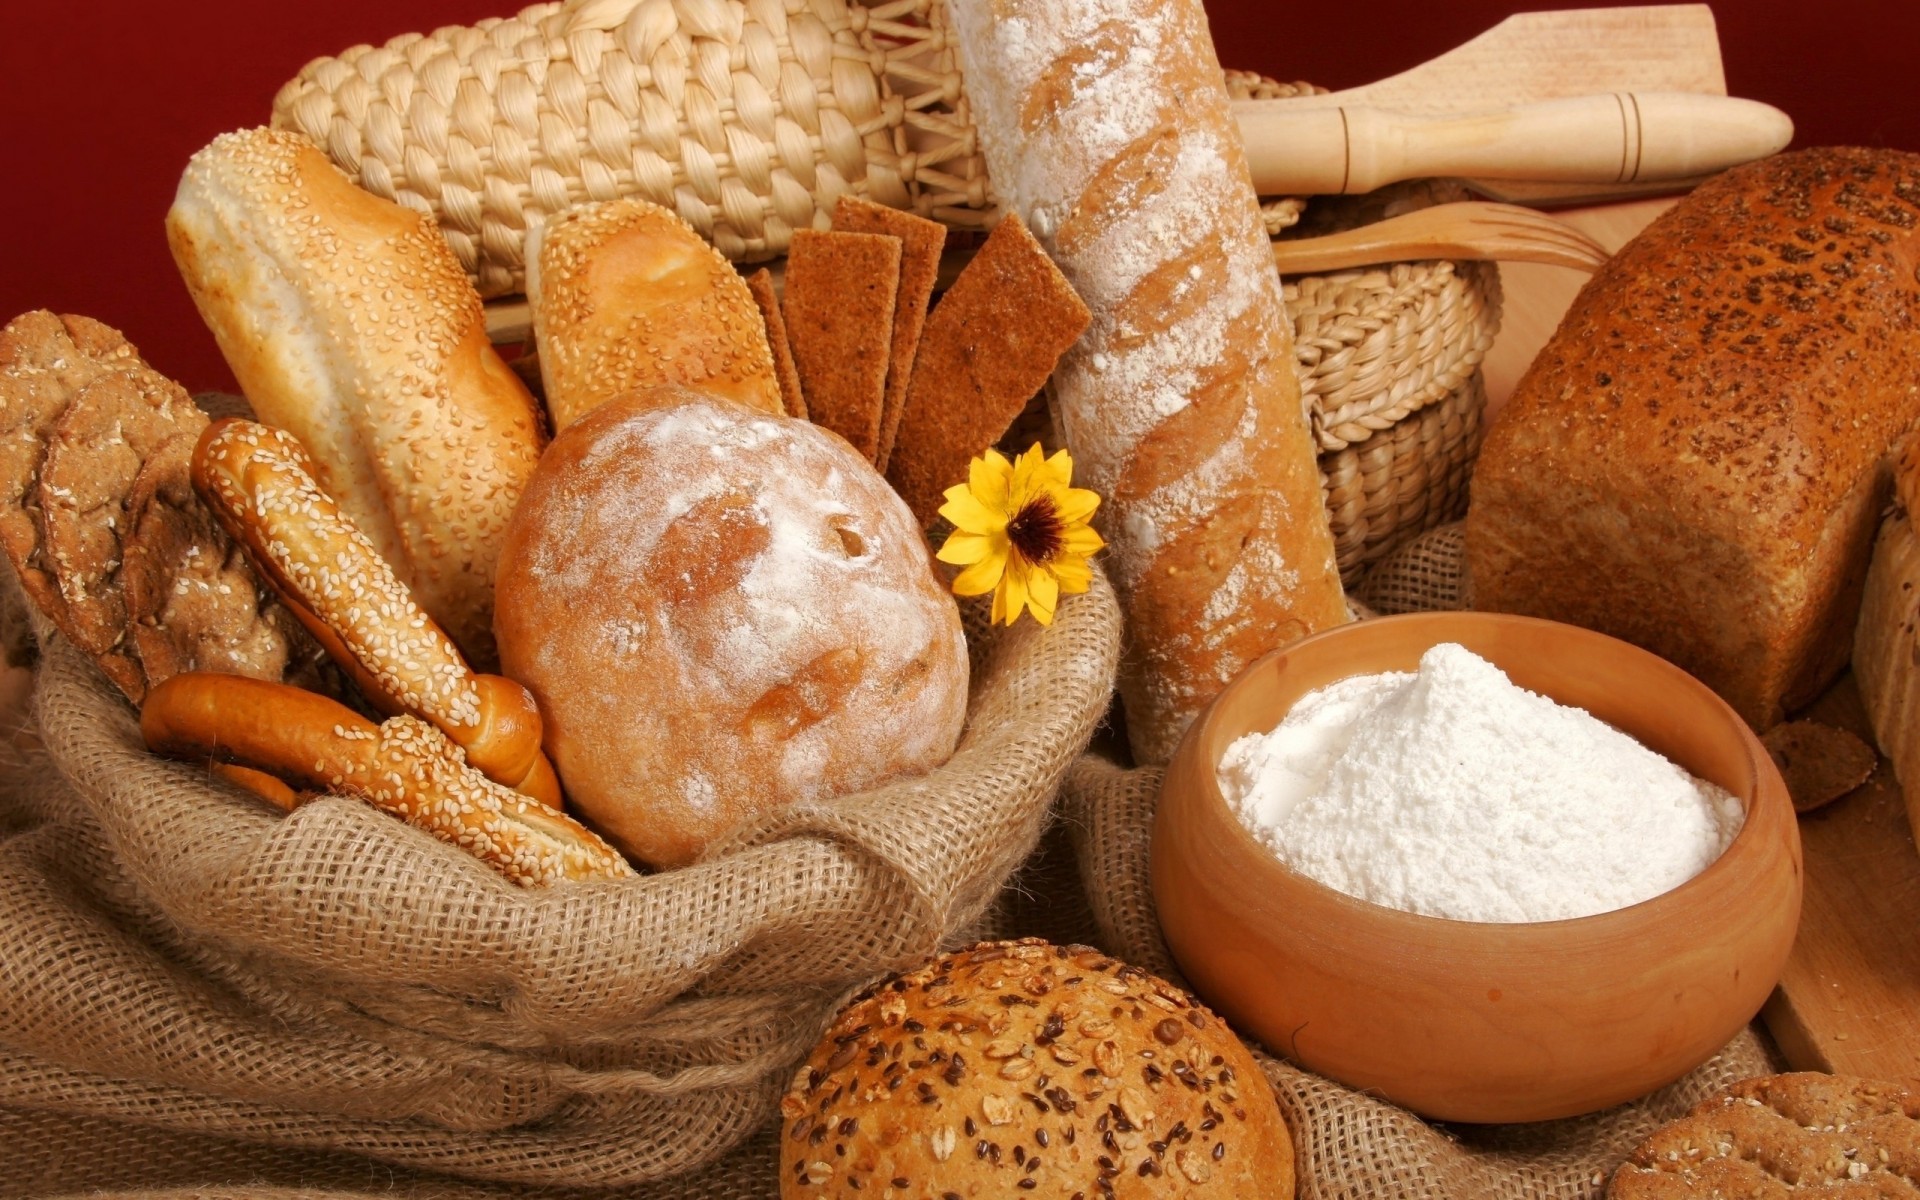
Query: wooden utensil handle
(1617,137)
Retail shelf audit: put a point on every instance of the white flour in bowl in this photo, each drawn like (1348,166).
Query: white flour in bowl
(1451,792)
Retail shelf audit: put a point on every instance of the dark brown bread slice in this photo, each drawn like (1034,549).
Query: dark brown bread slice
(1801,1136)
(839,315)
(921,241)
(44,360)
(793,397)
(193,603)
(95,452)
(1696,462)
(988,348)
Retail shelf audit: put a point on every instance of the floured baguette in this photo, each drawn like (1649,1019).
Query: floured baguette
(1105,125)
(349,324)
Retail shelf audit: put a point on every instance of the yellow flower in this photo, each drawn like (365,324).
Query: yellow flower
(1021,533)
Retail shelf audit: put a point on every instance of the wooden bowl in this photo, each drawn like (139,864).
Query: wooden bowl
(1460,1020)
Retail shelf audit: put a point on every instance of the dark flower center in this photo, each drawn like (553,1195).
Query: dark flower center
(1036,531)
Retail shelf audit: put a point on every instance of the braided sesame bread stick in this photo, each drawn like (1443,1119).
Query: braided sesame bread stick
(348,322)
(403,766)
(259,483)
(1105,126)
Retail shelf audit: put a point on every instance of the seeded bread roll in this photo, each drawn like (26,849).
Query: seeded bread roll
(1697,460)
(1021,1067)
(1105,125)
(349,324)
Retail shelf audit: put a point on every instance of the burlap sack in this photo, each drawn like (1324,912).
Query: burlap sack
(195,990)
(1350,1145)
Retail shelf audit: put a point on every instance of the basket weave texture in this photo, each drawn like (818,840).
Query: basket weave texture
(188,974)
(1390,371)
(749,119)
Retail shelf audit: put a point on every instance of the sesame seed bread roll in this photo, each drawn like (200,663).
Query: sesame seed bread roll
(348,323)
(1105,125)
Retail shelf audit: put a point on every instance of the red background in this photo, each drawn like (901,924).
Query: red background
(101,105)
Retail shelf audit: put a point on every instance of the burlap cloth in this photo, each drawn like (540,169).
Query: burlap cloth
(197,993)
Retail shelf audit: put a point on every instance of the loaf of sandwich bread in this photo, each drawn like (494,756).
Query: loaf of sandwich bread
(1105,126)
(1697,460)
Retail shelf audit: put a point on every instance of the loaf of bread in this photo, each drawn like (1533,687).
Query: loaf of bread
(349,324)
(721,611)
(626,297)
(1105,125)
(1697,460)
(1022,1068)
(1886,642)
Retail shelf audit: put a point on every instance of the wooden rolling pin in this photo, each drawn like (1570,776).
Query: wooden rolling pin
(1618,137)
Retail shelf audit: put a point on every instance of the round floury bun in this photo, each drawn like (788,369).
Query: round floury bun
(1023,1068)
(722,611)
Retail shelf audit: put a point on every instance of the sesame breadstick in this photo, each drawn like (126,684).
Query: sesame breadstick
(259,483)
(403,766)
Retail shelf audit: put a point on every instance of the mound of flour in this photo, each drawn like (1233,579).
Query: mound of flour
(1453,793)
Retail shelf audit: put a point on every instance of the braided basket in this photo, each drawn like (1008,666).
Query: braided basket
(747,117)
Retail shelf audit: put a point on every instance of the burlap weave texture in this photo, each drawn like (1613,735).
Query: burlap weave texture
(189,978)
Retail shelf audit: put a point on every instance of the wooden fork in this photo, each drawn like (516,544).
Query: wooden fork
(1471,229)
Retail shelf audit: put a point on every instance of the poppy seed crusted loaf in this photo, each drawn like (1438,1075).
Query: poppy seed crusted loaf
(1697,460)
(1023,1068)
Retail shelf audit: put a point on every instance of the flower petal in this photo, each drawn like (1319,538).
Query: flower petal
(981,577)
(1060,467)
(1076,504)
(963,549)
(969,515)
(989,477)
(1074,574)
(1043,595)
(1012,596)
(1029,476)
(1080,540)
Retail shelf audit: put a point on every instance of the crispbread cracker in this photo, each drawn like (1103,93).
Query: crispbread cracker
(988,347)
(793,397)
(839,314)
(921,241)
(1820,763)
(1800,1136)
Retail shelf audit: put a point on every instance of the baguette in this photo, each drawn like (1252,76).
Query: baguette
(348,323)
(1105,125)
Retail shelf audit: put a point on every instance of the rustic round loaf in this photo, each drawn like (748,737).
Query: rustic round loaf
(1022,1067)
(721,611)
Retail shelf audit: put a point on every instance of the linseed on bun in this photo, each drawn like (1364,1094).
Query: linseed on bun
(1024,1068)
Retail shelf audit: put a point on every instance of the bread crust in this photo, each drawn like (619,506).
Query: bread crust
(629,297)
(722,611)
(348,323)
(1696,461)
(1107,128)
